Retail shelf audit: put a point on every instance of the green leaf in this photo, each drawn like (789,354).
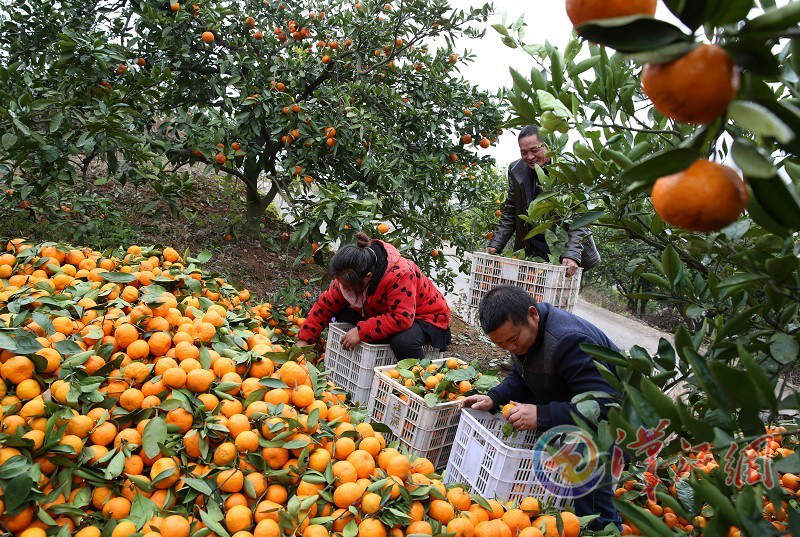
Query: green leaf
(118,277)
(708,491)
(751,159)
(155,433)
(585,219)
(662,55)
(583,66)
(784,348)
(632,34)
(432,399)
(763,218)
(741,279)
(549,102)
(8,140)
(790,464)
(775,19)
(671,263)
(759,376)
(761,120)
(142,510)
(778,200)
(521,83)
(660,401)
(213,525)
(644,520)
(665,163)
(502,30)
(202,257)
(115,466)
(199,485)
(272,383)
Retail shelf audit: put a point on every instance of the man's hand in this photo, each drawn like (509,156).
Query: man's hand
(523,417)
(303,343)
(478,402)
(491,250)
(571,265)
(351,339)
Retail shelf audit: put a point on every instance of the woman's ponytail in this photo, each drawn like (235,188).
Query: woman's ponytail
(362,239)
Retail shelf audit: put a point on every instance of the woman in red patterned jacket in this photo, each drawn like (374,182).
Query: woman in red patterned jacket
(386,296)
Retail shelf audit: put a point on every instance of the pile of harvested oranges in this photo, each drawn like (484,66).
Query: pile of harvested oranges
(141,396)
(450,380)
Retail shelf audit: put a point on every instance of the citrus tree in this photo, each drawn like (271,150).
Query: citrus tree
(352,113)
(658,116)
(349,111)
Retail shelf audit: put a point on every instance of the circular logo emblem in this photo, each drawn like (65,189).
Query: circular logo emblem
(566,462)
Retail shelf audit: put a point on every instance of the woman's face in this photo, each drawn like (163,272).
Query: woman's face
(364,283)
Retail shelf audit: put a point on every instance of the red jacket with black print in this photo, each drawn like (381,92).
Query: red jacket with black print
(403,295)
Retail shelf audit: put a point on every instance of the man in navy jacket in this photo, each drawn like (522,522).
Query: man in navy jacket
(549,370)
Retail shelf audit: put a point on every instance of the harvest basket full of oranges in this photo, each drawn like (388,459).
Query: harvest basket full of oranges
(419,402)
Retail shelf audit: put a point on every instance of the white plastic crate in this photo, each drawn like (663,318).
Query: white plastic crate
(543,281)
(495,465)
(353,370)
(425,431)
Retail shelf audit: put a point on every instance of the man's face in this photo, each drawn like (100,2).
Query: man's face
(533,151)
(517,338)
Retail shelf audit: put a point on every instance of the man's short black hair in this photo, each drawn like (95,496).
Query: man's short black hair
(530,130)
(504,303)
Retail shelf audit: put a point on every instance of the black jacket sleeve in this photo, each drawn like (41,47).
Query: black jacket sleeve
(507,224)
(580,374)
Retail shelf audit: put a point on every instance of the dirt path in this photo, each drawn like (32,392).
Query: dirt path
(623,331)
(469,342)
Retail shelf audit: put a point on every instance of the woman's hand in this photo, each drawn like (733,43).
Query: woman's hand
(351,339)
(302,343)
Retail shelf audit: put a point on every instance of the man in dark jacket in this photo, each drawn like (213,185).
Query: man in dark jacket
(523,188)
(549,370)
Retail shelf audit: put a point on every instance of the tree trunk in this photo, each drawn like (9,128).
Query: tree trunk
(256,202)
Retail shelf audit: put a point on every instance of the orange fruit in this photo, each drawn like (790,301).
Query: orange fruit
(347,494)
(231,480)
(267,528)
(238,518)
(17,369)
(371,527)
(363,462)
(461,527)
(516,519)
(175,526)
(117,508)
(208,37)
(442,511)
(580,11)
(530,506)
(459,498)
(398,466)
(420,527)
(705,197)
(696,88)
(170,471)
(547,525)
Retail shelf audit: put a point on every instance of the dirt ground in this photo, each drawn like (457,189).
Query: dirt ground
(469,344)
